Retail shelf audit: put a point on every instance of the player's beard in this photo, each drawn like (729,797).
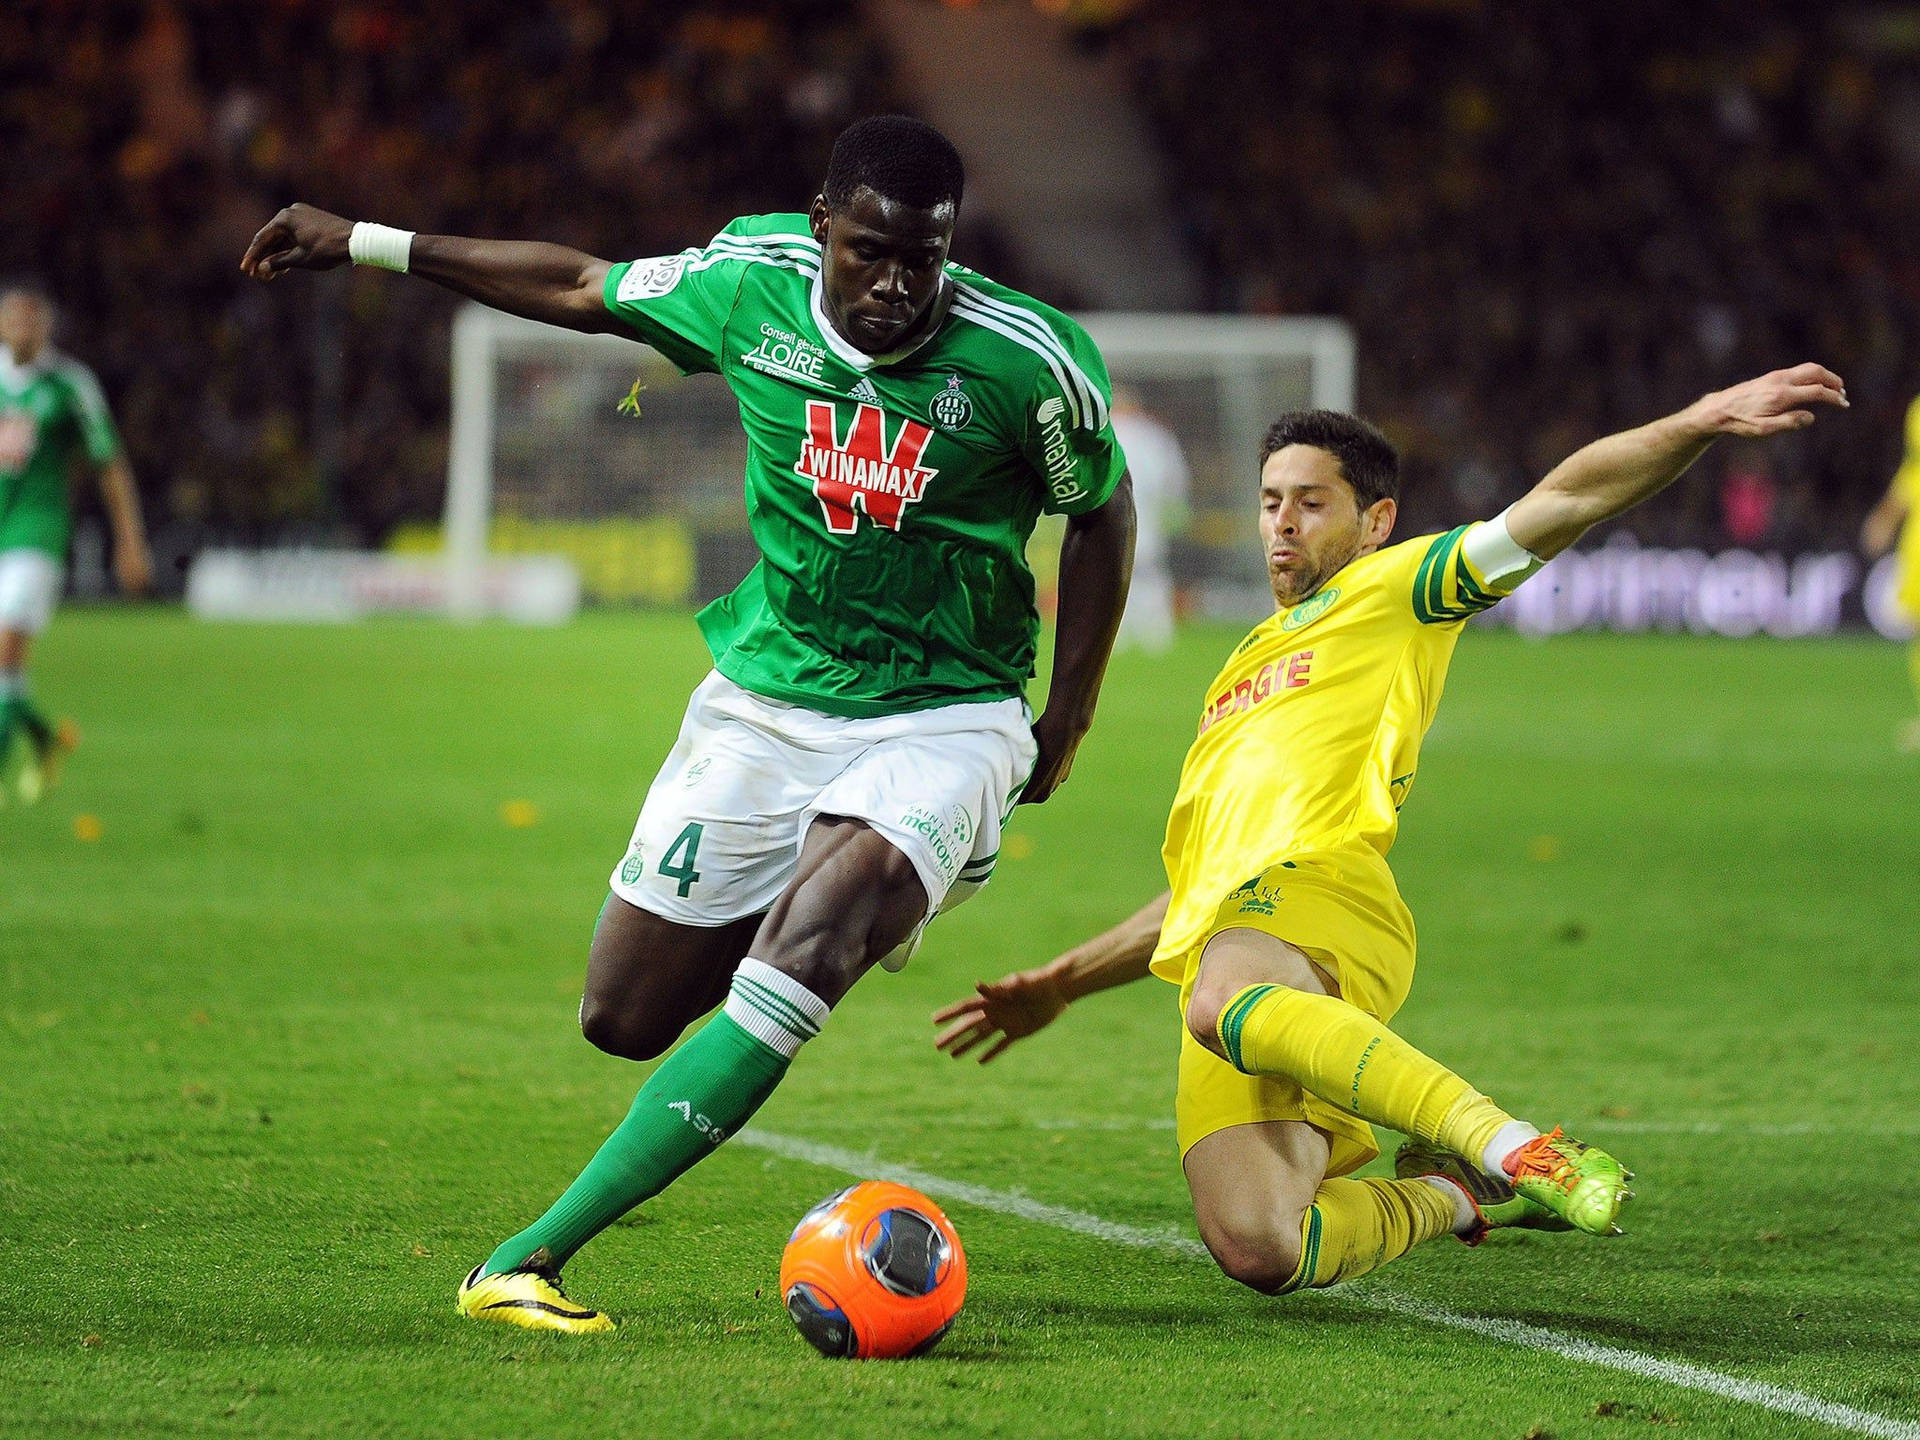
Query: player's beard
(1290,587)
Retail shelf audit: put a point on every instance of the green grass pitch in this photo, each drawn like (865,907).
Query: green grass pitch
(291,1044)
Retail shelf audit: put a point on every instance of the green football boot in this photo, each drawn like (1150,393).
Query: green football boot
(1583,1185)
(1493,1198)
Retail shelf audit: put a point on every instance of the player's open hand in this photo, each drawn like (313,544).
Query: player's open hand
(1001,1012)
(298,238)
(1775,403)
(1053,762)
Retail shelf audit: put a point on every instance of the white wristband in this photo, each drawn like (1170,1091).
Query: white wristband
(381,246)
(1500,559)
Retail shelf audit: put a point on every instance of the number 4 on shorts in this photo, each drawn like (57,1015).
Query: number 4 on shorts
(681,856)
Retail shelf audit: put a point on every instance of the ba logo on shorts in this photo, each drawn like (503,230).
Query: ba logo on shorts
(634,867)
(863,472)
(1255,898)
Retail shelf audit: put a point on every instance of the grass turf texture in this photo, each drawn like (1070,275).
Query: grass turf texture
(291,1045)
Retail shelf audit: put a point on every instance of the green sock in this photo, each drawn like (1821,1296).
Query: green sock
(18,711)
(39,728)
(699,1096)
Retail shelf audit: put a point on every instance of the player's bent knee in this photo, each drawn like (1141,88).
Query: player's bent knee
(619,1032)
(1203,1014)
(1261,1258)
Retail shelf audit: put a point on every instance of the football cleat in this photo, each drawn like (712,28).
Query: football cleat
(41,774)
(1583,1185)
(1499,1208)
(531,1299)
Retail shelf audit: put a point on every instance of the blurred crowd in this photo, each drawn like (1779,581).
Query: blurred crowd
(144,143)
(1544,221)
(1549,221)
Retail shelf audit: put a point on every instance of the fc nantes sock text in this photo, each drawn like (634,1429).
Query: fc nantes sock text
(1346,1057)
(699,1096)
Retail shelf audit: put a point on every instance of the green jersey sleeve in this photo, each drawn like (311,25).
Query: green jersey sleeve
(680,304)
(679,310)
(90,412)
(1069,435)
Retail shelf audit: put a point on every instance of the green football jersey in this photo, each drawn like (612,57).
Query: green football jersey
(891,497)
(49,410)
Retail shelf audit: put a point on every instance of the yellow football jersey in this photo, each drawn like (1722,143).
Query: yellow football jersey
(1908,483)
(1310,735)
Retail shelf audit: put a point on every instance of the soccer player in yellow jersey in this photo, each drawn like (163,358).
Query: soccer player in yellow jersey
(1283,926)
(1897,517)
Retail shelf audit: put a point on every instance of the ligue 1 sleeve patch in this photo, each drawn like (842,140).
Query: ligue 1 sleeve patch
(650,279)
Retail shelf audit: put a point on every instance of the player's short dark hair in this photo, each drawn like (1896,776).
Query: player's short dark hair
(898,158)
(1368,461)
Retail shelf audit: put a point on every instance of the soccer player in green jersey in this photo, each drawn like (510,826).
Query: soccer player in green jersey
(845,771)
(52,418)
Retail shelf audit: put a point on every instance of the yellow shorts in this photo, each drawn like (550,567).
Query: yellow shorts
(1342,908)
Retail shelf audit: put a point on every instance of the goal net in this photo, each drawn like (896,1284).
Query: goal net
(546,458)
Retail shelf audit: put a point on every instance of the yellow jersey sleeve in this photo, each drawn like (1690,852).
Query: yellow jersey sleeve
(1907,480)
(1446,586)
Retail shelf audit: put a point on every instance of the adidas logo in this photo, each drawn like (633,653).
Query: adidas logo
(864,391)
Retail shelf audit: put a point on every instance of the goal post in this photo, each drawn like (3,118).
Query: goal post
(540,455)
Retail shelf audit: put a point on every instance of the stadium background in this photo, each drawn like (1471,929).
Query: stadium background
(289,966)
(1542,224)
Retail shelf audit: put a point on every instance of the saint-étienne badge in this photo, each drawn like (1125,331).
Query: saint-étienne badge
(952,408)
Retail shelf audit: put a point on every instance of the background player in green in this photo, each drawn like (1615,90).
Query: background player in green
(846,770)
(52,417)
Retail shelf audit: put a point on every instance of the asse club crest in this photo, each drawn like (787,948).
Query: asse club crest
(952,408)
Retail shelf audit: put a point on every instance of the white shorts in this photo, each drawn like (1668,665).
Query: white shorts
(29,589)
(720,833)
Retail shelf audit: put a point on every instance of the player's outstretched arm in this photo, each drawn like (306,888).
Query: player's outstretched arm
(1096,564)
(551,283)
(1613,475)
(132,560)
(1014,1006)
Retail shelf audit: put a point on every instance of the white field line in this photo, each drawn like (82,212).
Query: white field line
(1759,1393)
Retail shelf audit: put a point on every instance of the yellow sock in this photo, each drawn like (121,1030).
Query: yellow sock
(1354,1226)
(1348,1058)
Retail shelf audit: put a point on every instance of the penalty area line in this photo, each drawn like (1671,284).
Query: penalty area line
(1759,1393)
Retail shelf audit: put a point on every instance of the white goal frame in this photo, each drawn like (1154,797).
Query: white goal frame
(1231,349)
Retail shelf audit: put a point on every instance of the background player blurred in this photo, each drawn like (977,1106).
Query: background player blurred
(1284,927)
(53,419)
(1896,519)
(1158,468)
(846,770)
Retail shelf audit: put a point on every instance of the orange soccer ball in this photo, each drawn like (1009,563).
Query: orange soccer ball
(875,1272)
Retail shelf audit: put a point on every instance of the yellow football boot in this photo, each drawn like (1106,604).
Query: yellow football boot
(532,1299)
